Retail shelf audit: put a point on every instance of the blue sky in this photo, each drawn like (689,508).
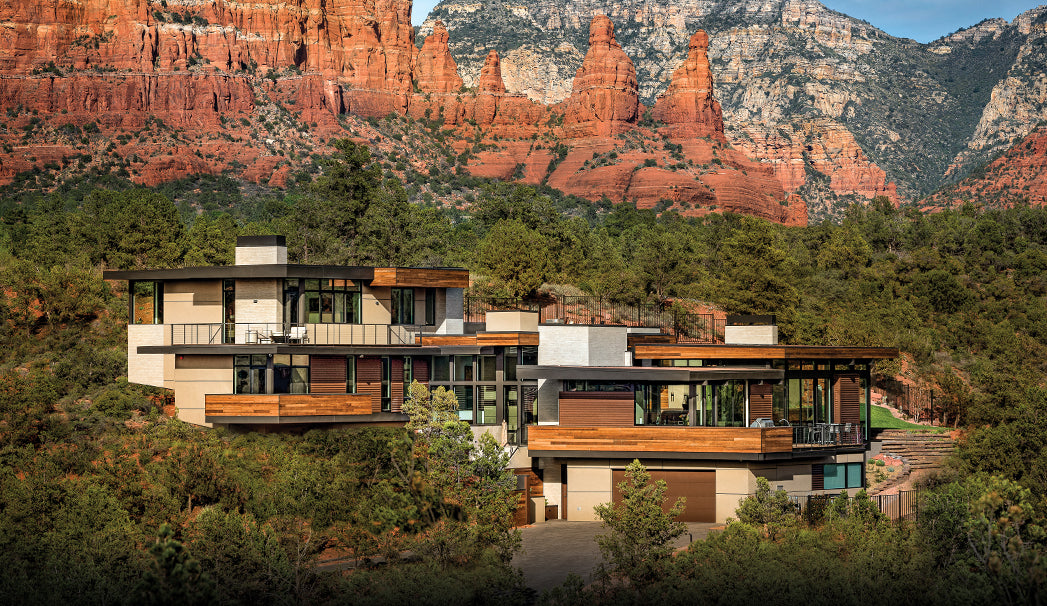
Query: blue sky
(922,20)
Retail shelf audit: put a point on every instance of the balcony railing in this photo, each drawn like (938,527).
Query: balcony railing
(687,327)
(828,434)
(257,333)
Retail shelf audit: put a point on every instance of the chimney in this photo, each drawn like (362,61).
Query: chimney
(750,330)
(261,250)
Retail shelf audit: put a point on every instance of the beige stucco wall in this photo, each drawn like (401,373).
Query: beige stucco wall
(197,376)
(750,335)
(193,302)
(376,305)
(512,321)
(145,369)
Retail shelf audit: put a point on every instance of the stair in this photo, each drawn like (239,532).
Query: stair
(920,449)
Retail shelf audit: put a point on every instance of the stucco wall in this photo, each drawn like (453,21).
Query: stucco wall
(145,369)
(193,302)
(197,376)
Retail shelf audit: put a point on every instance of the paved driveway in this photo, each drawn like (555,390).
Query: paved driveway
(556,548)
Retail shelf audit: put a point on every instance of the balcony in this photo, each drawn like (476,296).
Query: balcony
(582,441)
(287,408)
(256,333)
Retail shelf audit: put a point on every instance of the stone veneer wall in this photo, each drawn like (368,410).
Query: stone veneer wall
(145,369)
(257,302)
(261,255)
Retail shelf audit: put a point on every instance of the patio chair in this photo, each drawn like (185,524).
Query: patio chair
(298,334)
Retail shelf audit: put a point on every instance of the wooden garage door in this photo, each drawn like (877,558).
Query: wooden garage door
(698,486)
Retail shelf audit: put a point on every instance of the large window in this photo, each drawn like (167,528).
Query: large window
(249,373)
(464,393)
(403,306)
(838,476)
(441,368)
(487,405)
(657,404)
(147,302)
(730,404)
(325,301)
(290,373)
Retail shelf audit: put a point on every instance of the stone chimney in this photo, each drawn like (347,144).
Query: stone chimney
(261,250)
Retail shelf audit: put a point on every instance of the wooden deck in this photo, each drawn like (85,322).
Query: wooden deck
(286,405)
(734,440)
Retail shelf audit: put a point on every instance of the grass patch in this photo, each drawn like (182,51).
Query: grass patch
(883,419)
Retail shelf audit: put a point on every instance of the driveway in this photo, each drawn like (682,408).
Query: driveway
(554,549)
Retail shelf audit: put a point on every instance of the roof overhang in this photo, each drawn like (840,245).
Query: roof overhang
(654,374)
(227,272)
(760,352)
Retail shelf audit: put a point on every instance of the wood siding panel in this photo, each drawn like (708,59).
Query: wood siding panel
(286,405)
(698,487)
(369,381)
(848,390)
(596,409)
(396,384)
(817,477)
(327,375)
(659,439)
(760,401)
(420,277)
(506,338)
(453,340)
(421,370)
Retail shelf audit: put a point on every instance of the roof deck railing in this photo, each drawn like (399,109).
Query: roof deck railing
(687,327)
(264,333)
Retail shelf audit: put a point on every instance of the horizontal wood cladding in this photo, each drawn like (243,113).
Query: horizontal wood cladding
(760,352)
(445,340)
(420,277)
(286,405)
(506,338)
(369,381)
(760,400)
(483,339)
(659,439)
(596,409)
(327,375)
(848,400)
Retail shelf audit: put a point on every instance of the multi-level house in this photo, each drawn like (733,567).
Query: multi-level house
(266,344)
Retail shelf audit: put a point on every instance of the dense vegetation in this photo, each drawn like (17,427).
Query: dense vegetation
(105,500)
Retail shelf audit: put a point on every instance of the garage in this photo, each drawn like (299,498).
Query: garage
(699,487)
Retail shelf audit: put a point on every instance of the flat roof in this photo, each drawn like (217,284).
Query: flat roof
(388,276)
(710,351)
(658,374)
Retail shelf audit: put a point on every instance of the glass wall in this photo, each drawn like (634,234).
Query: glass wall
(403,306)
(325,301)
(147,302)
(730,404)
(290,373)
(249,373)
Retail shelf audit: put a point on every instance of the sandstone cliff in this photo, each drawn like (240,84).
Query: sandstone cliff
(788,69)
(604,99)
(688,106)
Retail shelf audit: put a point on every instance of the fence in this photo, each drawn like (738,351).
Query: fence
(687,327)
(904,504)
(917,401)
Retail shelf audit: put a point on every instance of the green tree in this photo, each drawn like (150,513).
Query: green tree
(637,547)
(516,257)
(176,577)
(772,510)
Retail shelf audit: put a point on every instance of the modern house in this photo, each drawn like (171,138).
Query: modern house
(575,397)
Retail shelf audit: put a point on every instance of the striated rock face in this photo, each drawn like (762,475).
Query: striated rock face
(436,69)
(1019,176)
(490,82)
(688,106)
(604,100)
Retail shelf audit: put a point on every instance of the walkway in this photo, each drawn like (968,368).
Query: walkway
(556,548)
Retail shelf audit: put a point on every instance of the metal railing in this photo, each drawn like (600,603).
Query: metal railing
(905,504)
(687,327)
(260,333)
(828,434)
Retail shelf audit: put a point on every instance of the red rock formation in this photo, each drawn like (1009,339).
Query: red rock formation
(604,100)
(436,70)
(688,106)
(490,88)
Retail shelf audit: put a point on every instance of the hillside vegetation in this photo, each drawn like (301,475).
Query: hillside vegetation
(104,500)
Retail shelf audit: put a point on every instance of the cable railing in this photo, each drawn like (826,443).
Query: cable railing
(687,327)
(265,333)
